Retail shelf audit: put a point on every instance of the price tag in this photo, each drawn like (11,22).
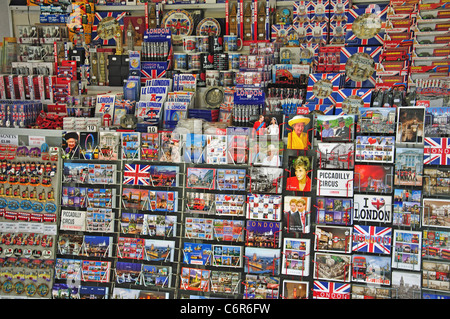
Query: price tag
(152,129)
(91,128)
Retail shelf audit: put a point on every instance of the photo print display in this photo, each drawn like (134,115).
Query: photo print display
(296,214)
(410,125)
(332,128)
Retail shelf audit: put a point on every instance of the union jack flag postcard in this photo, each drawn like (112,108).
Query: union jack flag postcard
(136,174)
(372,239)
(330,290)
(436,151)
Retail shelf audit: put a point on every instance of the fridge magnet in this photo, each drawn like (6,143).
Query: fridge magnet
(332,267)
(296,257)
(371,269)
(335,239)
(296,214)
(406,253)
(334,211)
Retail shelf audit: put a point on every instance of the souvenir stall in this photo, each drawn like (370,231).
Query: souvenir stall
(225,149)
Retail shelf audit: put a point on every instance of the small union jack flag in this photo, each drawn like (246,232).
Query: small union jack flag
(135,174)
(436,151)
(331,290)
(372,239)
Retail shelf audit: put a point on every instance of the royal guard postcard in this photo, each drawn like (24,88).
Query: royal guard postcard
(408,166)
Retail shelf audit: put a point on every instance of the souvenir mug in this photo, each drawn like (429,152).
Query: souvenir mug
(190,44)
(232,43)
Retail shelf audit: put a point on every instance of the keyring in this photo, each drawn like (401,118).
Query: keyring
(22,151)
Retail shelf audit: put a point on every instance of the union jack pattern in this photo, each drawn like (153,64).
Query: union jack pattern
(99,16)
(372,239)
(436,151)
(330,290)
(136,174)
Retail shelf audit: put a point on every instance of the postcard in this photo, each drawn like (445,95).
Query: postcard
(371,269)
(408,166)
(335,155)
(297,214)
(376,149)
(264,206)
(334,211)
(406,252)
(407,207)
(336,239)
(334,267)
(263,234)
(265,180)
(262,261)
(373,178)
(410,125)
(199,177)
(296,257)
